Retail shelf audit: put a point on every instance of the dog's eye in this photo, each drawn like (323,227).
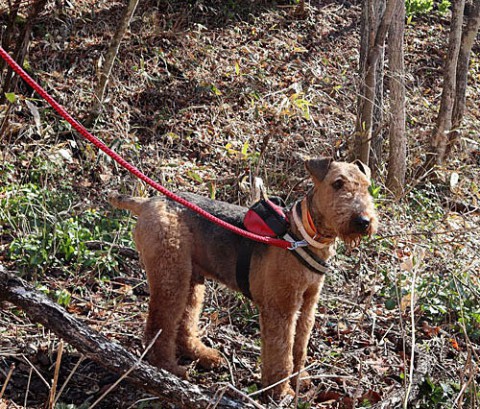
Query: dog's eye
(338,184)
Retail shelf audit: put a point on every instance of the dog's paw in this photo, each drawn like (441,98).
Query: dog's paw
(168,365)
(178,370)
(279,392)
(304,381)
(210,358)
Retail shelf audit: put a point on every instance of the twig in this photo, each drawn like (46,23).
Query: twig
(136,403)
(470,361)
(218,396)
(122,250)
(281,381)
(327,376)
(36,371)
(70,375)
(247,397)
(459,398)
(28,388)
(9,375)
(110,59)
(402,325)
(412,355)
(114,385)
(230,370)
(53,390)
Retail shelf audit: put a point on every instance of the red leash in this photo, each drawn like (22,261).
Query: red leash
(117,158)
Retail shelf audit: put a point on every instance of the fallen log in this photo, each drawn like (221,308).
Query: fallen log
(106,353)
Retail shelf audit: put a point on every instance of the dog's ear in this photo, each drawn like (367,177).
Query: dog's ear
(318,168)
(363,168)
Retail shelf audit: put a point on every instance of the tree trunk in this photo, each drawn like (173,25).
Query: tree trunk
(363,133)
(377,121)
(109,61)
(21,49)
(439,137)
(368,27)
(108,354)
(8,33)
(377,139)
(468,39)
(398,142)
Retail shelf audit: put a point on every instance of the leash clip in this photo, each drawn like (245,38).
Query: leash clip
(296,244)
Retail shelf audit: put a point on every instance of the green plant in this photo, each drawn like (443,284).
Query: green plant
(375,190)
(416,7)
(451,296)
(438,395)
(302,104)
(47,234)
(444,6)
(244,154)
(420,7)
(423,201)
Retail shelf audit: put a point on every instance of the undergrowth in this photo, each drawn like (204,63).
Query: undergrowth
(50,228)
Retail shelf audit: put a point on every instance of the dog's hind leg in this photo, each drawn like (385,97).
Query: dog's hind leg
(164,244)
(188,341)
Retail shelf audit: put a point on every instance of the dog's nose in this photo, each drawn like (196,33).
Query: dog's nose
(361,224)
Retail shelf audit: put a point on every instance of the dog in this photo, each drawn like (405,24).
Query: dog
(179,249)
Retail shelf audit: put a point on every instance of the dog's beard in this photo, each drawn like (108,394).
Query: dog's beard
(353,239)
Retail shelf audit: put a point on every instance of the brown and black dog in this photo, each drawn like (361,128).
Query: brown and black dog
(179,248)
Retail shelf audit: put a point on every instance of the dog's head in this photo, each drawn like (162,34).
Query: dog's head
(340,202)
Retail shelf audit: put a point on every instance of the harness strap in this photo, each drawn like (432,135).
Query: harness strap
(242,272)
(299,248)
(303,254)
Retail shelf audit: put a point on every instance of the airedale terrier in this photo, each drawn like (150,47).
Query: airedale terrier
(180,248)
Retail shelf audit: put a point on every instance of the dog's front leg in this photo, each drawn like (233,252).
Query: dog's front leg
(304,328)
(278,329)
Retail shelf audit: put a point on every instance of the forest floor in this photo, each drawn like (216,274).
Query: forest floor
(204,96)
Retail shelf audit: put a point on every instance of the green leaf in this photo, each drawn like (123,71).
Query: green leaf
(215,90)
(390,304)
(212,190)
(12,98)
(195,176)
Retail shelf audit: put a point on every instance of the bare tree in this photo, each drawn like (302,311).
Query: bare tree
(10,29)
(397,137)
(470,31)
(374,33)
(109,61)
(21,48)
(439,138)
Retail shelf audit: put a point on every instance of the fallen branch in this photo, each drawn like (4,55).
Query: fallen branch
(110,355)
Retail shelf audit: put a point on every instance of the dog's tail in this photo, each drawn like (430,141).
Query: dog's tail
(134,204)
